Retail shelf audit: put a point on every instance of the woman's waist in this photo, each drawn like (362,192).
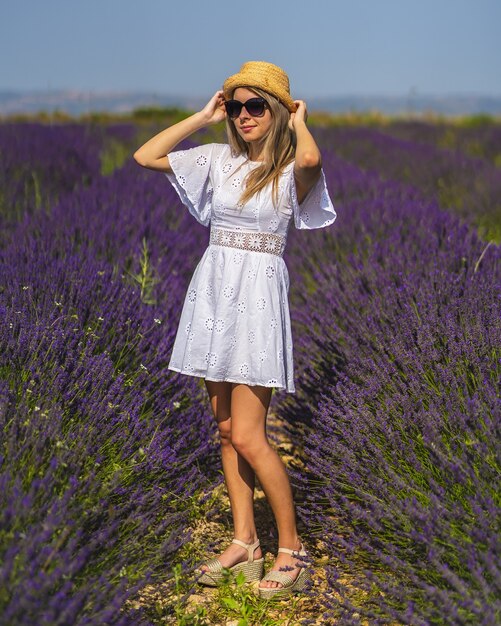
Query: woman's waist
(254,241)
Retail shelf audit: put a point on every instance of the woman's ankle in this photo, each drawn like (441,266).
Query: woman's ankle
(290,542)
(246,537)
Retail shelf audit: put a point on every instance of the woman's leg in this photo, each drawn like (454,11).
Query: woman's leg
(239,477)
(249,407)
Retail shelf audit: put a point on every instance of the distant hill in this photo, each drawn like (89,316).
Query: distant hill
(81,102)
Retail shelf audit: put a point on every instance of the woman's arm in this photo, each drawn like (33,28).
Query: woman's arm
(153,154)
(308,161)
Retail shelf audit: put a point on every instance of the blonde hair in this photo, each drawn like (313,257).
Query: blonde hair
(279,149)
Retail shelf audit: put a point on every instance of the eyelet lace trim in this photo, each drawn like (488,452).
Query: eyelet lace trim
(270,243)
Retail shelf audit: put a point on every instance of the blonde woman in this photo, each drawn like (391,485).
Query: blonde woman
(234,329)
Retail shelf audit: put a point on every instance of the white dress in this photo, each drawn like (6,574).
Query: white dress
(235,322)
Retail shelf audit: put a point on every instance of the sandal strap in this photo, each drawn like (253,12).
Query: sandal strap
(280,577)
(300,552)
(214,566)
(250,547)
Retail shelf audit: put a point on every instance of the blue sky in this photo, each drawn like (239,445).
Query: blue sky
(188,47)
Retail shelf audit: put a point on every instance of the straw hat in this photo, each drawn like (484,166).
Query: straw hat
(266,76)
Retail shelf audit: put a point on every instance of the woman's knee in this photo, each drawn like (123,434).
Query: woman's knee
(249,446)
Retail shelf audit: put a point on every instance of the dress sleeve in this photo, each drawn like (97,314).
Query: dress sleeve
(316,210)
(191,178)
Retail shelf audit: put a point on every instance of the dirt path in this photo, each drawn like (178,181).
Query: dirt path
(216,531)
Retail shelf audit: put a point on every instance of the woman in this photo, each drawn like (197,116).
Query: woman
(234,329)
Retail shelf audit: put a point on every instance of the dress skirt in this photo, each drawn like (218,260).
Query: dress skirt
(235,322)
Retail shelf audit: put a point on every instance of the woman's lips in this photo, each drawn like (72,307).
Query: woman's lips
(246,129)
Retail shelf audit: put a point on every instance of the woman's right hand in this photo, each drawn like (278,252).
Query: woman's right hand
(152,154)
(214,111)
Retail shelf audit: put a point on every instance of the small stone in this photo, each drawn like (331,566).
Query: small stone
(197,599)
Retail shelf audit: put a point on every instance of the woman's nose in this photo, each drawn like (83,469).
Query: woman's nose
(243,114)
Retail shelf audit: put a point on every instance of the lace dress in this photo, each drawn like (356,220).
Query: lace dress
(235,322)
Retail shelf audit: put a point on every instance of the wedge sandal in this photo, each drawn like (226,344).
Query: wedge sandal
(289,584)
(252,568)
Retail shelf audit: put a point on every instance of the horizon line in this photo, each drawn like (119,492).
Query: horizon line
(412,93)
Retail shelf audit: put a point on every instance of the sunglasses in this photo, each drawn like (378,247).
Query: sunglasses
(255,107)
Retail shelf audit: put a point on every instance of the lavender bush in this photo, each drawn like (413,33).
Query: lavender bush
(41,163)
(104,452)
(479,137)
(468,186)
(399,358)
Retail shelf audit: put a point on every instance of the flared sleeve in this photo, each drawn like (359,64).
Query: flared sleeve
(191,178)
(316,210)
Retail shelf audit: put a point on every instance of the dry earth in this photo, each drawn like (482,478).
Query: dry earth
(216,532)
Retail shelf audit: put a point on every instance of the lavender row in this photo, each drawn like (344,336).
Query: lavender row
(478,140)
(470,187)
(40,164)
(396,314)
(104,451)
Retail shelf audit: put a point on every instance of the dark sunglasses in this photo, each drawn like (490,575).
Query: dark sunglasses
(255,107)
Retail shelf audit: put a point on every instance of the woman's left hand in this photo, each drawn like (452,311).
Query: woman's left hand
(300,115)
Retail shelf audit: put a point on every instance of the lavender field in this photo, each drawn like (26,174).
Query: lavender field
(109,462)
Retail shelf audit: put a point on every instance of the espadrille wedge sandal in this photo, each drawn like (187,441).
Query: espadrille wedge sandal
(252,568)
(289,584)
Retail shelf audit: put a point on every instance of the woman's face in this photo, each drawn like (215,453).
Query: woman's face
(251,128)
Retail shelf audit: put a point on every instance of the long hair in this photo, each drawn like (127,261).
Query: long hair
(279,149)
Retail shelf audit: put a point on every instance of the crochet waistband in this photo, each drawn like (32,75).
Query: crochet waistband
(244,240)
